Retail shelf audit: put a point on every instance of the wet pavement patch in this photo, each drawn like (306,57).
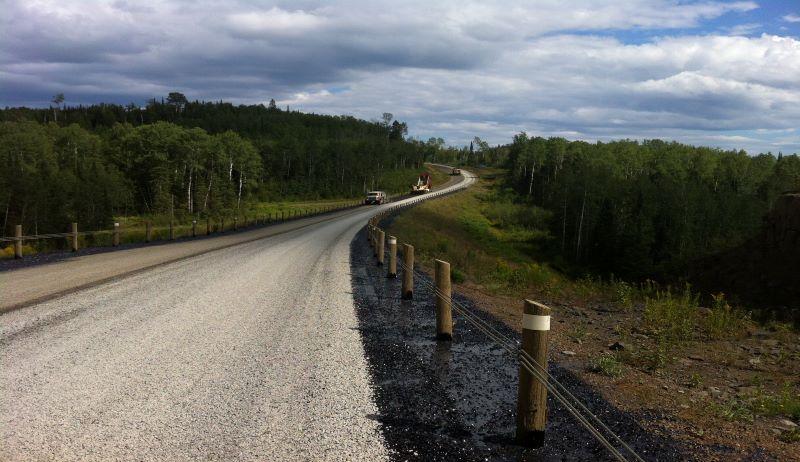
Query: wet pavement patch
(457,400)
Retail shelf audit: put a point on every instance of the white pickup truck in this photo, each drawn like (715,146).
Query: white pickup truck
(375,197)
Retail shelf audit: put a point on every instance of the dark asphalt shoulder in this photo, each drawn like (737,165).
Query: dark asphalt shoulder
(457,400)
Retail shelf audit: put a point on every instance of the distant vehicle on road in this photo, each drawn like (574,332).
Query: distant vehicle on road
(423,184)
(375,197)
(456,171)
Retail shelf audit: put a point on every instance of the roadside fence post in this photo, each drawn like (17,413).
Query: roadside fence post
(222,225)
(148,231)
(407,292)
(115,238)
(392,258)
(18,241)
(74,236)
(381,242)
(208,226)
(171,230)
(194,228)
(532,397)
(235,222)
(444,315)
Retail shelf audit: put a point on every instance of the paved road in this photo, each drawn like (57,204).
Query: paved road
(249,352)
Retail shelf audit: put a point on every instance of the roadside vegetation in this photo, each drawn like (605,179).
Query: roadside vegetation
(188,160)
(705,361)
(133,227)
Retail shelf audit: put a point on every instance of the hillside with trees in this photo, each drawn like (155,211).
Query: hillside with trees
(646,209)
(632,209)
(90,163)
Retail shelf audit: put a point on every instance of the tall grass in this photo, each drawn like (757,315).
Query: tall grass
(724,321)
(672,316)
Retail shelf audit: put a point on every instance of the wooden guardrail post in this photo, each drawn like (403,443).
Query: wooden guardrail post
(222,225)
(379,246)
(18,241)
(532,397)
(392,273)
(444,315)
(171,230)
(115,237)
(148,231)
(208,226)
(194,228)
(74,236)
(235,222)
(407,292)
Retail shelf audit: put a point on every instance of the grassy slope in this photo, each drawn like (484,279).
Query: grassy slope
(713,372)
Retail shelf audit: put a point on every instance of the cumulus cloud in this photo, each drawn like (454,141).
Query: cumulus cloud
(451,68)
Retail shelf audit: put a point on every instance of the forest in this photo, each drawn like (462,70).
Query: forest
(643,209)
(91,163)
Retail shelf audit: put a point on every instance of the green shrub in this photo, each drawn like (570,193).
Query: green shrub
(672,317)
(623,294)
(658,356)
(607,364)
(476,225)
(785,403)
(723,321)
(457,276)
(507,276)
(734,409)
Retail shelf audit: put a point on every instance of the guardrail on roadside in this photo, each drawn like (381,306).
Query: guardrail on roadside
(535,381)
(171,231)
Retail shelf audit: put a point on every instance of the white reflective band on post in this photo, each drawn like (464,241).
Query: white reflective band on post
(535,322)
(392,240)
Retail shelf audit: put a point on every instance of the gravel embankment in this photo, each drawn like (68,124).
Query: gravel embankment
(457,401)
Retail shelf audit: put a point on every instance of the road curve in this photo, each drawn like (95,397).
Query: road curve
(250,352)
(29,285)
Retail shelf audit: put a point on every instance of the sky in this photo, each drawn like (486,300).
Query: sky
(714,73)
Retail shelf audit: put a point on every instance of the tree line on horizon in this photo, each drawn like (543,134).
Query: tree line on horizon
(91,163)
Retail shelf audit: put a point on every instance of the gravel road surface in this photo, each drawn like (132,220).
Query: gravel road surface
(251,352)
